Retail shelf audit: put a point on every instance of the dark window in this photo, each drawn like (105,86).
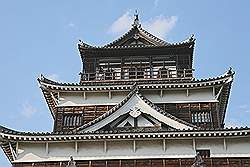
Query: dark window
(204,153)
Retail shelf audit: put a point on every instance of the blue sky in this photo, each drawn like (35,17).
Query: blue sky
(40,37)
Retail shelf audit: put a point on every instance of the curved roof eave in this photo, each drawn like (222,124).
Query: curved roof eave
(46,83)
(83,46)
(48,86)
(7,134)
(155,41)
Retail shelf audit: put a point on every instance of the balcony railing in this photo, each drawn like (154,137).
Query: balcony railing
(138,74)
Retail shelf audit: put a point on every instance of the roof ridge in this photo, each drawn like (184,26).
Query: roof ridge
(153,36)
(121,37)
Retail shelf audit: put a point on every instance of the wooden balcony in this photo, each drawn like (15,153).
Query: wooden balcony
(135,74)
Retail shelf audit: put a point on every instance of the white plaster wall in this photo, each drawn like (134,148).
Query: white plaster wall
(233,147)
(119,148)
(180,96)
(57,150)
(91,148)
(153,147)
(179,147)
(92,98)
(169,96)
(238,146)
(29,151)
(215,145)
(124,149)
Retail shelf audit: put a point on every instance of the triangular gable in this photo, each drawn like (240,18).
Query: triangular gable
(135,106)
(131,122)
(137,36)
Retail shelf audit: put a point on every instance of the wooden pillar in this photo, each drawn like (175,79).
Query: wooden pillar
(76,147)
(213,91)
(150,66)
(90,163)
(134,146)
(110,95)
(120,163)
(122,74)
(135,122)
(164,144)
(224,144)
(84,95)
(194,144)
(94,63)
(161,93)
(241,163)
(47,148)
(95,116)
(164,162)
(105,146)
(106,163)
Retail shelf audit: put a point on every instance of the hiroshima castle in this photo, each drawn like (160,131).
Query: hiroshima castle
(137,104)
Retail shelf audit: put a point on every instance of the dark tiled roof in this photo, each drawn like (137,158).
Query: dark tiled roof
(196,82)
(9,138)
(153,40)
(12,135)
(49,86)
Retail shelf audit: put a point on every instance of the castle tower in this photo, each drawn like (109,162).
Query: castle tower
(137,104)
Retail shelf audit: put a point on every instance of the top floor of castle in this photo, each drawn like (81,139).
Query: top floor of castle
(137,55)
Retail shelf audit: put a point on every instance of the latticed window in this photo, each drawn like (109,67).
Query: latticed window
(72,120)
(201,117)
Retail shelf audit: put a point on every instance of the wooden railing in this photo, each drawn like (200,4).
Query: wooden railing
(137,74)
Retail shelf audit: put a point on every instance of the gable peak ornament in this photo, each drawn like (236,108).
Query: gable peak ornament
(136,19)
(135,112)
(136,36)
